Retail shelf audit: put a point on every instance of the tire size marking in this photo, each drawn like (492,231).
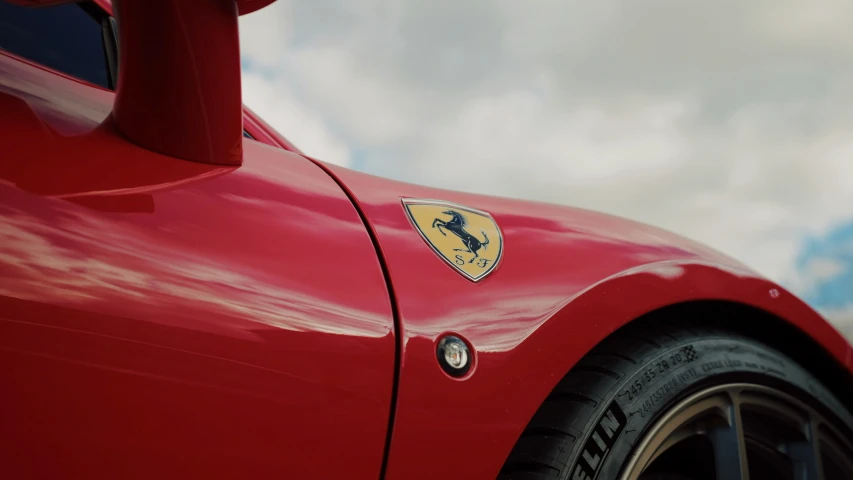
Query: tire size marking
(664,389)
(598,445)
(648,376)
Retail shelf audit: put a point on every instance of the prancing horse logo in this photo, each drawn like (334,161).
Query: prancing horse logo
(457,226)
(474,256)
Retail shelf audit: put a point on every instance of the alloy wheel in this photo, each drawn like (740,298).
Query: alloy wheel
(742,431)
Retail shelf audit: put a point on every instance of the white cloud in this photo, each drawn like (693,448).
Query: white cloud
(728,122)
(266,33)
(819,23)
(371,112)
(842,319)
(816,272)
(822,269)
(275,103)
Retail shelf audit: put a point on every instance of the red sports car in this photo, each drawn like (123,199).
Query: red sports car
(184,294)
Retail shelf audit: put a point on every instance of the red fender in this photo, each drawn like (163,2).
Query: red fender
(567,279)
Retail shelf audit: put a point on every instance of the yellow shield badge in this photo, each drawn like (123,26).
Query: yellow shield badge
(468,239)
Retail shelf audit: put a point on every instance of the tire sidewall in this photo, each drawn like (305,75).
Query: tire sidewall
(669,375)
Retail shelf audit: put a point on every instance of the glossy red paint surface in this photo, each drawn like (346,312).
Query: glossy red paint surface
(173,96)
(163,318)
(168,319)
(567,279)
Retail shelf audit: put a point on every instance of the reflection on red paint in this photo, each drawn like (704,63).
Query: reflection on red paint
(567,279)
(161,317)
(165,318)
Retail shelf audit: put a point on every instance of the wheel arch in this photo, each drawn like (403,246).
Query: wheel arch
(528,338)
(704,294)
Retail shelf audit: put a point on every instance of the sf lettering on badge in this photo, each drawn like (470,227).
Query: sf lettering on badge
(467,239)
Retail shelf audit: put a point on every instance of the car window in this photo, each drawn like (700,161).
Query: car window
(67,38)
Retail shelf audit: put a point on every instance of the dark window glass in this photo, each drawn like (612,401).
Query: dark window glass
(66,38)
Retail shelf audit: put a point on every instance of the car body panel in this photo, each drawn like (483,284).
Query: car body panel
(159,316)
(567,279)
(162,316)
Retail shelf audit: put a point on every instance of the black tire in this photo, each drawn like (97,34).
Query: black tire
(630,380)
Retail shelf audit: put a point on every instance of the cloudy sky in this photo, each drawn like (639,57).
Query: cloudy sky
(729,122)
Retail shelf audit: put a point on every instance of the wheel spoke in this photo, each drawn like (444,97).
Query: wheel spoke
(805,455)
(730,446)
(785,436)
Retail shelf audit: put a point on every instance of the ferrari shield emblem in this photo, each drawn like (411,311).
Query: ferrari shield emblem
(467,239)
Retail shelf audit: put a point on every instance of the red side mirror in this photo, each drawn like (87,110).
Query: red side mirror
(179,78)
(179,90)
